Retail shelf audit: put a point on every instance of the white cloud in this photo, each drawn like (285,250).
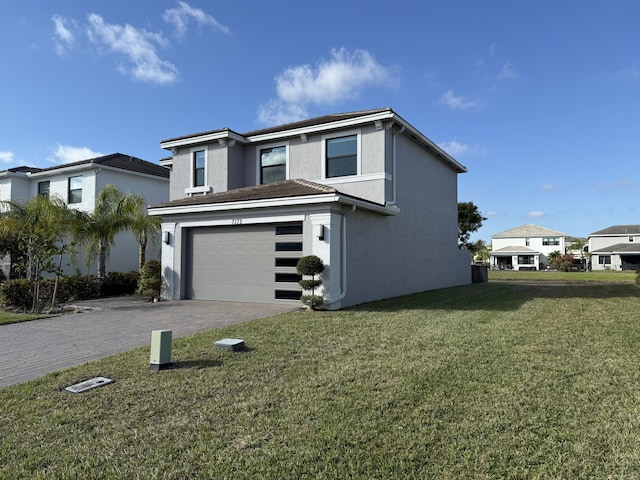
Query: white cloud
(453,147)
(181,17)
(64,37)
(340,78)
(68,154)
(535,214)
(6,156)
(457,102)
(138,46)
(549,186)
(508,73)
(492,213)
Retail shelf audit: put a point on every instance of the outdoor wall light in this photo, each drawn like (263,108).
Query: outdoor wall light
(167,237)
(318,232)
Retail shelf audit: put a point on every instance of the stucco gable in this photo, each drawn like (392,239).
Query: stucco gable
(529,231)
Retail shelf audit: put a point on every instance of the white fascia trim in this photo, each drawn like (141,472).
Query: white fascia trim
(245,221)
(273,202)
(205,138)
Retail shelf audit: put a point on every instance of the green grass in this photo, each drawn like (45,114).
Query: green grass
(494,380)
(596,276)
(7,317)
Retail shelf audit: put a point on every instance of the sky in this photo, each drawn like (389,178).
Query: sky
(539,100)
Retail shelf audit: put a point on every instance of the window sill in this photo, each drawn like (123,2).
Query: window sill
(195,190)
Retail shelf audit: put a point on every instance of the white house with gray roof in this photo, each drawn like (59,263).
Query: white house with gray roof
(77,184)
(525,247)
(365,191)
(615,248)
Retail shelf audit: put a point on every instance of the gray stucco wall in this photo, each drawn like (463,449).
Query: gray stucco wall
(416,250)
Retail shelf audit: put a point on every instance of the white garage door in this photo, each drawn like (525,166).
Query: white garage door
(245,263)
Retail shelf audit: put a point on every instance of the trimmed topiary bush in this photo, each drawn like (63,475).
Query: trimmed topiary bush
(311,265)
(150,279)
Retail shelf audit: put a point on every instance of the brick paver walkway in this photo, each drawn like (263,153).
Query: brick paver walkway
(31,349)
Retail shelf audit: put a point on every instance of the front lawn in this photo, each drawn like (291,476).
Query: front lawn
(596,276)
(7,317)
(493,380)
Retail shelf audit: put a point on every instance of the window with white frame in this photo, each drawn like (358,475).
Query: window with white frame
(199,168)
(273,164)
(341,156)
(75,189)
(43,188)
(631,238)
(525,260)
(604,259)
(527,242)
(550,241)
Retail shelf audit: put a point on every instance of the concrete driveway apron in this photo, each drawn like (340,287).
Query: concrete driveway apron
(29,350)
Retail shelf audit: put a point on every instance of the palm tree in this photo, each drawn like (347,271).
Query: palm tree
(113,213)
(145,229)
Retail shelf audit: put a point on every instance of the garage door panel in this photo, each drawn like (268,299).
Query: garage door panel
(238,263)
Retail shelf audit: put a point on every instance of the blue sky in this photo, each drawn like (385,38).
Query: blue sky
(539,100)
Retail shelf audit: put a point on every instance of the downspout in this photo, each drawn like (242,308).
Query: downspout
(343,255)
(394,157)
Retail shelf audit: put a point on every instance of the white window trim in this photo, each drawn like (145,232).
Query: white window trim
(358,134)
(204,188)
(259,148)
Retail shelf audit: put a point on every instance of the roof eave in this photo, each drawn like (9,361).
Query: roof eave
(272,202)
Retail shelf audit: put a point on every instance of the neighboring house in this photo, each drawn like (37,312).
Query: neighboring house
(77,184)
(365,191)
(615,248)
(525,247)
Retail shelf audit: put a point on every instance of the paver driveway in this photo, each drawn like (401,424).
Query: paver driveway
(31,349)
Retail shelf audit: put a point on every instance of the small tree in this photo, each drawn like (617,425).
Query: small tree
(469,220)
(553,256)
(311,265)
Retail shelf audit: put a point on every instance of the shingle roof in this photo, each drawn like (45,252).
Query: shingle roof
(620,248)
(514,249)
(283,189)
(529,230)
(120,161)
(619,230)
(291,126)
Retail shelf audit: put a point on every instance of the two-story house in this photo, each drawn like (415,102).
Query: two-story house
(365,191)
(615,248)
(525,247)
(77,184)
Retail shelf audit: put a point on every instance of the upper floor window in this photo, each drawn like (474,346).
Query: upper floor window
(273,164)
(631,238)
(43,188)
(550,241)
(341,156)
(527,242)
(75,189)
(198,168)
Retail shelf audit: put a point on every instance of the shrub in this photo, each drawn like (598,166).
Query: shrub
(119,283)
(150,279)
(311,265)
(19,293)
(83,287)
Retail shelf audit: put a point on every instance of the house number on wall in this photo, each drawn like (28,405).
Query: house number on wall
(236,221)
